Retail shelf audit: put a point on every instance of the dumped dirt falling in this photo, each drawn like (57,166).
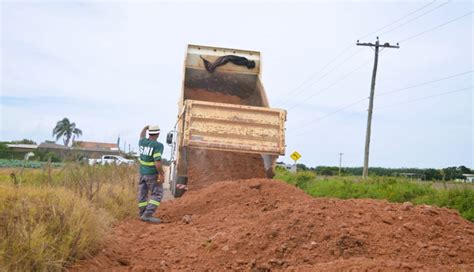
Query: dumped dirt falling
(208,166)
(264,225)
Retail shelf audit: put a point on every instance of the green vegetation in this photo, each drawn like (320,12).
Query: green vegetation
(49,217)
(24,141)
(66,130)
(4,163)
(45,228)
(7,153)
(389,188)
(448,173)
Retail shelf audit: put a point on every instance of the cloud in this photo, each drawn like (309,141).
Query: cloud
(115,67)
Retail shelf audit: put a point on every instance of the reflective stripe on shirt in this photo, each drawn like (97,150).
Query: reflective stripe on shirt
(147,163)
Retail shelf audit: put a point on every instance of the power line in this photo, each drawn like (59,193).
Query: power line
(423,14)
(324,75)
(413,19)
(436,27)
(416,100)
(320,70)
(332,84)
(399,19)
(386,93)
(423,83)
(425,97)
(389,106)
(409,87)
(307,123)
(344,51)
(324,117)
(409,38)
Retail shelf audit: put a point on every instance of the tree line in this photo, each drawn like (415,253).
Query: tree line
(448,173)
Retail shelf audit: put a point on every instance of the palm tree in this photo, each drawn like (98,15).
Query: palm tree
(66,130)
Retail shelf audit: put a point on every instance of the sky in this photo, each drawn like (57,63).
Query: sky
(114,67)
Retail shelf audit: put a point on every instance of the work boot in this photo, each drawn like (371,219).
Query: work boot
(150,219)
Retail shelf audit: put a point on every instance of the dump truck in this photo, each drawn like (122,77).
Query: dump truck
(223,115)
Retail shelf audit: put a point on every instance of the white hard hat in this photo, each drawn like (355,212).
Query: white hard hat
(153,129)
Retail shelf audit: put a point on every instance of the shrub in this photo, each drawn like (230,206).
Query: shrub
(303,178)
(7,163)
(51,157)
(107,186)
(52,216)
(44,228)
(391,189)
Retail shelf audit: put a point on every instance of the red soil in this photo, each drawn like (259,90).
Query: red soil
(264,225)
(205,95)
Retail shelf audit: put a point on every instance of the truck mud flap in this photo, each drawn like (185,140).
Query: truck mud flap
(181,186)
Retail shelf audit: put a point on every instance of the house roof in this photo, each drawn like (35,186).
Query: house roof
(95,145)
(25,146)
(110,150)
(52,146)
(85,146)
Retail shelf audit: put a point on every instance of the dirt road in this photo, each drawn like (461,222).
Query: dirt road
(264,225)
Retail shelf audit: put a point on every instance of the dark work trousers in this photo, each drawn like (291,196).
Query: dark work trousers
(149,185)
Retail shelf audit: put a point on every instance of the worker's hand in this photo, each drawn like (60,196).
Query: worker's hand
(161,178)
(146,127)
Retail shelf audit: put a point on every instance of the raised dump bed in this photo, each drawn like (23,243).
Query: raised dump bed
(223,109)
(229,83)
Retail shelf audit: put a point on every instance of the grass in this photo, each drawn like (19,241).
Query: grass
(47,228)
(392,189)
(50,217)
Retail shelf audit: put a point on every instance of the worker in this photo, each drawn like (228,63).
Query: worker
(151,173)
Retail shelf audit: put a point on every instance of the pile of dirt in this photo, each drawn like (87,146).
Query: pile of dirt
(264,225)
(206,95)
(208,166)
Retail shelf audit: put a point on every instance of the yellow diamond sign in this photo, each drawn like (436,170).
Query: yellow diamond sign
(295,156)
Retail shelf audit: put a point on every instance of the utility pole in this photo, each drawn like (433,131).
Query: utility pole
(340,162)
(377,45)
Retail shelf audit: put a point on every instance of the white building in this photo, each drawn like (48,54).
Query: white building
(469,177)
(22,147)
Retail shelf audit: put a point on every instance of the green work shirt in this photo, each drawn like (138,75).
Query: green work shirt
(150,152)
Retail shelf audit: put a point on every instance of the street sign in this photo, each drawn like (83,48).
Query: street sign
(295,156)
